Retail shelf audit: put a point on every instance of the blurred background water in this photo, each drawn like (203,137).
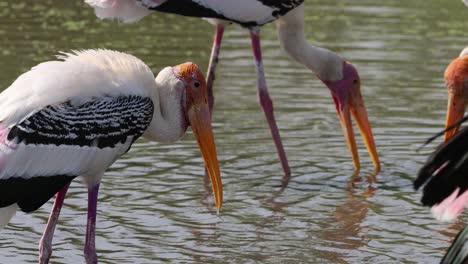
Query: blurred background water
(154,206)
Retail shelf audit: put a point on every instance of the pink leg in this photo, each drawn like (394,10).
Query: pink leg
(265,101)
(210,75)
(90,246)
(45,245)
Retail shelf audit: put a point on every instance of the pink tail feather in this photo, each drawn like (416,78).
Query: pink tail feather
(451,207)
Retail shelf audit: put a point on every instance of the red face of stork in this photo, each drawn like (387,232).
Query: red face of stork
(198,115)
(456,79)
(347,96)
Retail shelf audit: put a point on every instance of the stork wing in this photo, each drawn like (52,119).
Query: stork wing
(45,151)
(248,13)
(444,176)
(445,170)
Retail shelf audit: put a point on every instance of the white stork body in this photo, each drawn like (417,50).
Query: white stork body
(340,76)
(248,13)
(56,82)
(75,117)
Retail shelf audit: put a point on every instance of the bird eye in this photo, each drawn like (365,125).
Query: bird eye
(197,84)
(355,81)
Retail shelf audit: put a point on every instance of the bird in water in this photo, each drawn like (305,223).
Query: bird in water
(444,172)
(75,116)
(338,75)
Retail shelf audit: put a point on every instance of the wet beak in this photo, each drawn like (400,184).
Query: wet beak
(355,105)
(200,121)
(455,110)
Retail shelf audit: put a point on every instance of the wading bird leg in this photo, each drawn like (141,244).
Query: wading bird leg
(210,75)
(265,101)
(90,246)
(45,245)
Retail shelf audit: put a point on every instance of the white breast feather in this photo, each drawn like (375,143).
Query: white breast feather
(28,161)
(240,10)
(123,10)
(80,76)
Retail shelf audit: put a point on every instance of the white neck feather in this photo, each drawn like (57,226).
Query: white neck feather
(124,10)
(169,123)
(327,65)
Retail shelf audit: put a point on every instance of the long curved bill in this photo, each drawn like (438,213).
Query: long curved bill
(455,110)
(356,106)
(200,121)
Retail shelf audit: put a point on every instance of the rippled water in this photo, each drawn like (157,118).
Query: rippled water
(153,205)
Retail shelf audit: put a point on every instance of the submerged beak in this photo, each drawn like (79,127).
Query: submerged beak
(347,96)
(455,109)
(200,121)
(355,105)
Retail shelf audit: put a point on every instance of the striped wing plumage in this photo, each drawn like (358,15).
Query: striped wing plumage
(444,177)
(248,13)
(46,150)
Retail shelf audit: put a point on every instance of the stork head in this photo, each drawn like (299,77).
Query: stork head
(456,79)
(346,94)
(195,109)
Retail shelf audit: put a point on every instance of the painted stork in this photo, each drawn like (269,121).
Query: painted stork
(444,171)
(444,176)
(75,116)
(337,74)
(456,79)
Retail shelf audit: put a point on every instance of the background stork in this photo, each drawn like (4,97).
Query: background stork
(75,117)
(444,173)
(456,79)
(338,75)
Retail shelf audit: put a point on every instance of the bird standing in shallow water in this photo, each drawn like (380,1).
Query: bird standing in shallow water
(338,75)
(75,117)
(444,173)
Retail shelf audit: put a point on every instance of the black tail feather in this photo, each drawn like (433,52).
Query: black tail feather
(445,170)
(30,194)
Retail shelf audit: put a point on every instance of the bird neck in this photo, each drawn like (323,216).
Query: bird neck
(327,65)
(169,123)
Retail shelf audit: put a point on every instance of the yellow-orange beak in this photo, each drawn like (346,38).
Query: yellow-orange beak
(199,117)
(455,109)
(347,96)
(355,105)
(456,75)
(200,121)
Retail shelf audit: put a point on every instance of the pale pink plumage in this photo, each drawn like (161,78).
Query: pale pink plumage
(451,207)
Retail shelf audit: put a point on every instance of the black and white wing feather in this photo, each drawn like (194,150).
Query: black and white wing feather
(46,150)
(445,170)
(248,13)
